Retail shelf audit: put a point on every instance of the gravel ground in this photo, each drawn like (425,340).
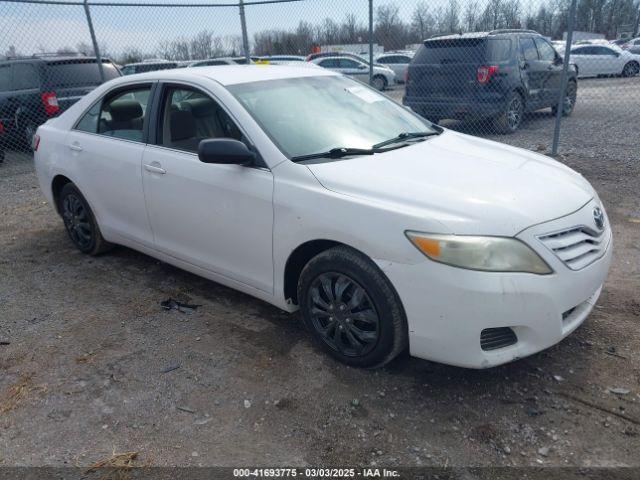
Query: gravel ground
(86,370)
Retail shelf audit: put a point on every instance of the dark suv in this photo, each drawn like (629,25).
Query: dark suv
(33,89)
(497,75)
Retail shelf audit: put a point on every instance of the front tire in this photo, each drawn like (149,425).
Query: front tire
(80,222)
(351,309)
(511,118)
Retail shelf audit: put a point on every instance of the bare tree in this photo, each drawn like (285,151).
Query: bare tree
(422,23)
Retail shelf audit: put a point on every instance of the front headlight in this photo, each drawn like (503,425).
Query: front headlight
(491,254)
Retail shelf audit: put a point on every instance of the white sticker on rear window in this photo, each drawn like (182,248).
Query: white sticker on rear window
(365,94)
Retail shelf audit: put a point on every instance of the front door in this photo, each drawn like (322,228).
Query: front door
(217,217)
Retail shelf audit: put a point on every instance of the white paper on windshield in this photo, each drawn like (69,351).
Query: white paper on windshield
(365,94)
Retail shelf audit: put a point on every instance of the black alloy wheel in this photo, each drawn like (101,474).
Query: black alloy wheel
(343,314)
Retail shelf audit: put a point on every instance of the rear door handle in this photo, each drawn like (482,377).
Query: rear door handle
(155,169)
(75,146)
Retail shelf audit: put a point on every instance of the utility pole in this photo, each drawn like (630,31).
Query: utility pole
(565,74)
(245,36)
(94,40)
(370,42)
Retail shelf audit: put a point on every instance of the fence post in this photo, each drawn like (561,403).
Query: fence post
(370,42)
(565,74)
(245,36)
(92,32)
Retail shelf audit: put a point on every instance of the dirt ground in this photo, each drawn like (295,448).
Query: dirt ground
(94,364)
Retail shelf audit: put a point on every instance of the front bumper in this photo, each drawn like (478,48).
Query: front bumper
(447,308)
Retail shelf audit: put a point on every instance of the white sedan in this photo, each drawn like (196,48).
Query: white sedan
(312,191)
(382,77)
(595,60)
(396,61)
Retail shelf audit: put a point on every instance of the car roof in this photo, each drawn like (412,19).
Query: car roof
(231,74)
(492,33)
(158,62)
(51,59)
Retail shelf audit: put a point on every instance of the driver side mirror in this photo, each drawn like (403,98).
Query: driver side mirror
(363,67)
(558,60)
(225,151)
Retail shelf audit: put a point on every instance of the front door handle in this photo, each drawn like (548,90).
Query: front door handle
(155,169)
(75,146)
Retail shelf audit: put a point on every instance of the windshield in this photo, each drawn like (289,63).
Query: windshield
(309,115)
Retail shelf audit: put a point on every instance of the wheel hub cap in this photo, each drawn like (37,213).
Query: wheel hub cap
(343,314)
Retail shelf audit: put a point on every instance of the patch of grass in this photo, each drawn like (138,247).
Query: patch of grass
(17,393)
(116,465)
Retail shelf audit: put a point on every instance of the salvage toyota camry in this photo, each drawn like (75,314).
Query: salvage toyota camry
(312,191)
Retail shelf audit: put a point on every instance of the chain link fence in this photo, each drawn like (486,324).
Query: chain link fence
(510,70)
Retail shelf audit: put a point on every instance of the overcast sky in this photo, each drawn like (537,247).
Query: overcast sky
(33,28)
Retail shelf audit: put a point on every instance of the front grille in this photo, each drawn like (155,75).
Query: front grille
(494,338)
(577,247)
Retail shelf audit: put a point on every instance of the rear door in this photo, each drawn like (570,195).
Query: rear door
(552,80)
(533,72)
(608,61)
(106,147)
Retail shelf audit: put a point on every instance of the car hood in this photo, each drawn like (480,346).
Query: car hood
(465,184)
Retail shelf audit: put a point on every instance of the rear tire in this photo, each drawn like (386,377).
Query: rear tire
(80,222)
(351,309)
(570,98)
(511,118)
(631,69)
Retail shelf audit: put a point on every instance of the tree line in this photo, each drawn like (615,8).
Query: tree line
(395,29)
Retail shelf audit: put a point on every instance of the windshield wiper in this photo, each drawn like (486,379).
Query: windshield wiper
(337,153)
(406,136)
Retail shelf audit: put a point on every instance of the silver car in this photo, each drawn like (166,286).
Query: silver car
(398,62)
(382,76)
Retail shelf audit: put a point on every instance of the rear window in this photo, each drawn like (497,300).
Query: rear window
(464,50)
(75,73)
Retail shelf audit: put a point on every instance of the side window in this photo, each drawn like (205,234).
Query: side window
(528,51)
(605,51)
(189,116)
(25,77)
(329,63)
(89,122)
(122,115)
(404,59)
(547,53)
(5,78)
(579,51)
(385,60)
(348,63)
